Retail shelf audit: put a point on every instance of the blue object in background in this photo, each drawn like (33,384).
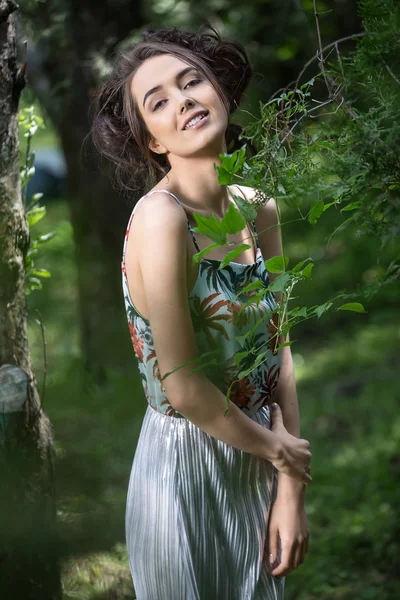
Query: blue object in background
(50,174)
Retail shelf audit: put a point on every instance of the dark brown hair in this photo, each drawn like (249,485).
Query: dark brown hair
(118,130)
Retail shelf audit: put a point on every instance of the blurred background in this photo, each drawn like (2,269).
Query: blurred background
(346,363)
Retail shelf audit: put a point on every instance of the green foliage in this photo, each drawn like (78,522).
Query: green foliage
(346,161)
(30,123)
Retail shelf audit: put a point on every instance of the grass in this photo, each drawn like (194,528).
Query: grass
(347,378)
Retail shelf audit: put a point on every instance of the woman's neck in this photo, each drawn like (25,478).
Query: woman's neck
(195,183)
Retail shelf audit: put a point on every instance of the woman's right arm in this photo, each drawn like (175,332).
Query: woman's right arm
(162,258)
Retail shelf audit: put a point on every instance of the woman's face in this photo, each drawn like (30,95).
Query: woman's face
(168,91)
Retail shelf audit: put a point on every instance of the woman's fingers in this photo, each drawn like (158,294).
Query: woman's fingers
(300,554)
(272,545)
(287,560)
(293,555)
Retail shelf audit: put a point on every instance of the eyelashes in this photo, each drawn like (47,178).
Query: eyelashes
(195,81)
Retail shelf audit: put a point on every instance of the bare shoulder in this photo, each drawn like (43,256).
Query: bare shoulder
(157,242)
(159,207)
(157,216)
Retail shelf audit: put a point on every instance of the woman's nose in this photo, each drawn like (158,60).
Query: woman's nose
(186,103)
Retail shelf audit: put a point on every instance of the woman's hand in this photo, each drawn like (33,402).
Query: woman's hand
(295,456)
(288,520)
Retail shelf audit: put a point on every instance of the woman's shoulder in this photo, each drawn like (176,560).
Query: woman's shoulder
(158,203)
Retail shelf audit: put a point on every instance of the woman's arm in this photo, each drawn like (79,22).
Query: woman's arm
(285,393)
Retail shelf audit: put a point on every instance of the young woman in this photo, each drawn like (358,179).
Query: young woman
(215,507)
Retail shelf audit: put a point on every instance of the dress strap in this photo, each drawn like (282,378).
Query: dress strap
(255,233)
(188,224)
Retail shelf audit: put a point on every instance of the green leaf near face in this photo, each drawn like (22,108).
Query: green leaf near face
(233,220)
(210,227)
(233,162)
(249,211)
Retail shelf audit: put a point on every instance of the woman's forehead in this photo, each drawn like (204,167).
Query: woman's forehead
(155,71)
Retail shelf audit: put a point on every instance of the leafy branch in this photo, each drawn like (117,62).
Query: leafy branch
(30,122)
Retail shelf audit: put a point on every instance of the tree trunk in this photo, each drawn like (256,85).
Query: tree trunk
(28,564)
(98,214)
(99,218)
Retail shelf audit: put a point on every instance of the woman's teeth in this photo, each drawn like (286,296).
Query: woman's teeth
(194,121)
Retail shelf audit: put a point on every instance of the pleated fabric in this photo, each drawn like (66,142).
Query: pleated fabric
(197,509)
(197,515)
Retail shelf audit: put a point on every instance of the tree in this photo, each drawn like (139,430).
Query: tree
(29,569)
(76,40)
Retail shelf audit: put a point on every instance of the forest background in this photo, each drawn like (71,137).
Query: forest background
(346,363)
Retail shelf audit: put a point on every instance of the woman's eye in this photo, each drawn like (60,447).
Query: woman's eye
(157,104)
(193,81)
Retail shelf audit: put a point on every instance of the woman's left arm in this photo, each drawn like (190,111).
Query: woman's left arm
(288,518)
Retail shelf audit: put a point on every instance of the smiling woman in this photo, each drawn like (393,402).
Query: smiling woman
(124,141)
(202,484)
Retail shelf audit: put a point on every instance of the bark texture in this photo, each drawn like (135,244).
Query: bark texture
(28,563)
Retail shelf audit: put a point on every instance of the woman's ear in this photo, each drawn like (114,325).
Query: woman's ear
(156,147)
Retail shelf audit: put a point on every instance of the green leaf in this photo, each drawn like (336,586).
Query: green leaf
(248,210)
(352,206)
(233,162)
(322,308)
(306,272)
(254,285)
(42,239)
(224,177)
(227,396)
(41,273)
(239,356)
(34,283)
(232,254)
(317,208)
(299,311)
(210,227)
(354,306)
(297,267)
(280,282)
(257,361)
(251,301)
(193,360)
(285,344)
(233,221)
(35,215)
(200,367)
(277,264)
(199,255)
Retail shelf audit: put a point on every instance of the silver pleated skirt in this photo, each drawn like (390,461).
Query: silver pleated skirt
(197,514)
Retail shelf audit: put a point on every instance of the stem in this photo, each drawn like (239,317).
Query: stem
(321,50)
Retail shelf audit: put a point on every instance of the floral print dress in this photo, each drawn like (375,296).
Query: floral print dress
(197,508)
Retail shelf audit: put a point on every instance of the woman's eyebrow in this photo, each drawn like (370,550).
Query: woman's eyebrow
(178,77)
